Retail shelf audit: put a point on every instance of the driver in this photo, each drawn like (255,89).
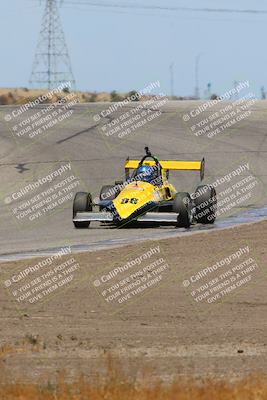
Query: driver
(148,174)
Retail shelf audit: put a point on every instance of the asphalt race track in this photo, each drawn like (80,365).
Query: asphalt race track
(79,142)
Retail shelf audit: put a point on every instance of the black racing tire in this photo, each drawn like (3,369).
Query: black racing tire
(205,201)
(82,202)
(182,204)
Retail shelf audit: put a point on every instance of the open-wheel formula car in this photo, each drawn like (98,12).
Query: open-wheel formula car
(147,196)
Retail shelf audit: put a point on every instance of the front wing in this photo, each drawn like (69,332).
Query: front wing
(162,217)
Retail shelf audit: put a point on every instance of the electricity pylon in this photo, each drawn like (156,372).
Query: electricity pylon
(51,66)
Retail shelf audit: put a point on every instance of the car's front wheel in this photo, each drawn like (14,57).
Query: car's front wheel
(82,202)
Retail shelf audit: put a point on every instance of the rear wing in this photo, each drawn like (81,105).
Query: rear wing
(168,165)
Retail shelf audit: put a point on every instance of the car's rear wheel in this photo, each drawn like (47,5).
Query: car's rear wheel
(205,204)
(82,202)
(182,204)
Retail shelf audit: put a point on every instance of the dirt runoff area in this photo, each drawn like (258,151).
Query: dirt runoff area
(191,306)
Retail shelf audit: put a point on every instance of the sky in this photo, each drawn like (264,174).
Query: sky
(125,49)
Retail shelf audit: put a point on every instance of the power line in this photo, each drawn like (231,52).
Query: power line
(115,7)
(172,79)
(163,8)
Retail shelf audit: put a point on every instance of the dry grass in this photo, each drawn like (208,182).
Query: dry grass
(248,389)
(115,386)
(29,343)
(17,96)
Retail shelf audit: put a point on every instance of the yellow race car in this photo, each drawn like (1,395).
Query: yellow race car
(147,196)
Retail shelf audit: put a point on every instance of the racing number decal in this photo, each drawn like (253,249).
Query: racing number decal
(126,200)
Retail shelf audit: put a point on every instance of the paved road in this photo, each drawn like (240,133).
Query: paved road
(96,155)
